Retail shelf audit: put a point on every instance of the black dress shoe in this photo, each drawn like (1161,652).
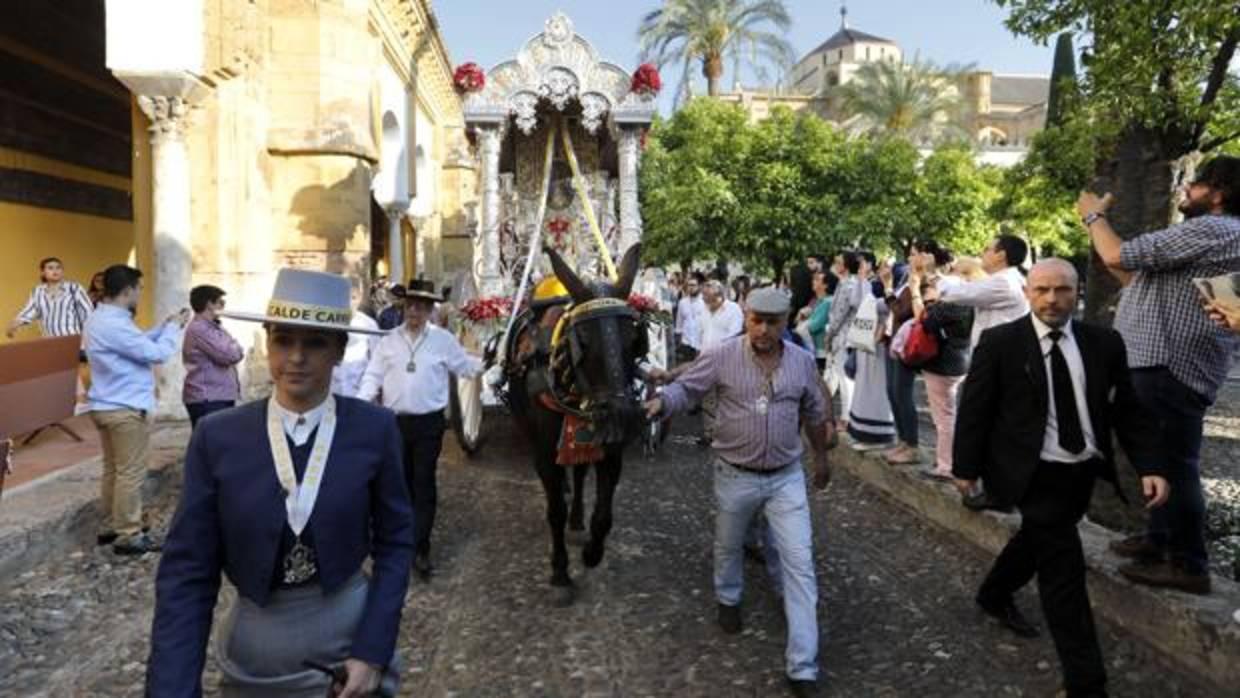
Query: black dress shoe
(1009,616)
(422,565)
(803,688)
(981,501)
(109,537)
(138,545)
(730,619)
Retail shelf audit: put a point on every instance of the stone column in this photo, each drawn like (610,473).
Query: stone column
(396,245)
(630,207)
(172,225)
(486,248)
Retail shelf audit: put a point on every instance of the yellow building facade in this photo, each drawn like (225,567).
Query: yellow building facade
(243,136)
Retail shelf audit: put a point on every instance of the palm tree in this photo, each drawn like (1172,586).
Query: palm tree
(917,101)
(711,31)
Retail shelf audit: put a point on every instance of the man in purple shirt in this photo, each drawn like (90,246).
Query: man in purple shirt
(768,388)
(211,356)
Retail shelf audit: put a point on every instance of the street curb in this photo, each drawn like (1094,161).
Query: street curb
(1196,633)
(58,513)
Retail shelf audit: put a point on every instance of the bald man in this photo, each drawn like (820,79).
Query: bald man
(1042,397)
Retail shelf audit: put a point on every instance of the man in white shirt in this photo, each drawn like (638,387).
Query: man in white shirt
(408,374)
(689,312)
(999,298)
(722,320)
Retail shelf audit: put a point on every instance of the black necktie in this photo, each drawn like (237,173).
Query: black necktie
(1071,437)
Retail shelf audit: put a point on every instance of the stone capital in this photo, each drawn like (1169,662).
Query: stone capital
(165,98)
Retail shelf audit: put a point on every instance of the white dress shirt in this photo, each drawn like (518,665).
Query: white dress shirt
(689,314)
(997,299)
(1051,450)
(299,426)
(721,324)
(347,378)
(434,352)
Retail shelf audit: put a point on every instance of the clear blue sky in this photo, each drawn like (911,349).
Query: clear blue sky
(945,31)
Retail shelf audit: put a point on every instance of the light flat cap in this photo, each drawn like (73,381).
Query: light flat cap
(769,301)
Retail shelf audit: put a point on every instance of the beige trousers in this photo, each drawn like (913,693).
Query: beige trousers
(126,439)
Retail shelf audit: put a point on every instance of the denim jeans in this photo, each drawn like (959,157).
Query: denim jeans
(781,496)
(1178,525)
(900,395)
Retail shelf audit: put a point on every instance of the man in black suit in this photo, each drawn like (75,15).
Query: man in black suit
(1041,400)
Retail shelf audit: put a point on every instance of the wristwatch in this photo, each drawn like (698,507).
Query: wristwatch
(1091,218)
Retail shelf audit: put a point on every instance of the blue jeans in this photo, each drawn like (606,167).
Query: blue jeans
(781,496)
(1178,525)
(900,394)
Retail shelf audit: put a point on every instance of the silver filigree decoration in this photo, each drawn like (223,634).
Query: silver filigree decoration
(524,106)
(559,87)
(594,108)
(558,30)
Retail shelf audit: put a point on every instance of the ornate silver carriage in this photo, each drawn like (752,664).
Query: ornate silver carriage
(558,132)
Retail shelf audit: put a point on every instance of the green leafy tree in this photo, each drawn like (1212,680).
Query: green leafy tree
(1039,194)
(708,32)
(689,205)
(917,101)
(1156,83)
(955,197)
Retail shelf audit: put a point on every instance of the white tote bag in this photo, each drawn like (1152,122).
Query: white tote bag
(862,332)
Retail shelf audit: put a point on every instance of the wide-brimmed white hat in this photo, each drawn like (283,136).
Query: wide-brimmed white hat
(305,298)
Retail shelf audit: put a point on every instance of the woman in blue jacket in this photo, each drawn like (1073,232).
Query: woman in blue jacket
(288,497)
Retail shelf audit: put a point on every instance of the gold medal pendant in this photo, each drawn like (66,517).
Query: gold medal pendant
(299,564)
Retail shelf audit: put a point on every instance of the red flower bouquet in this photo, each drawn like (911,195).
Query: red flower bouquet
(468,77)
(558,227)
(487,310)
(649,308)
(646,80)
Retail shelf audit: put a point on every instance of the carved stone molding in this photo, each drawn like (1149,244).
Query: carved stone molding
(561,68)
(168,116)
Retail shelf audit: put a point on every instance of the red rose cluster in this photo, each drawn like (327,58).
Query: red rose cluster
(642,303)
(646,80)
(468,77)
(487,309)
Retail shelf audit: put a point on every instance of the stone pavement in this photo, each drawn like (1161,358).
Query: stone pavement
(897,616)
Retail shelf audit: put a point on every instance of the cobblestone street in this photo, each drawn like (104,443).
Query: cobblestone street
(897,615)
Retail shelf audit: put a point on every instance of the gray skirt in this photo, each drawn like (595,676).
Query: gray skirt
(261,650)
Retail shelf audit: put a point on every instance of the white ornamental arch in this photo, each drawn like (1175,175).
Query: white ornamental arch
(561,68)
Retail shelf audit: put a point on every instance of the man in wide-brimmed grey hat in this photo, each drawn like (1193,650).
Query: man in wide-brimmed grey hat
(768,388)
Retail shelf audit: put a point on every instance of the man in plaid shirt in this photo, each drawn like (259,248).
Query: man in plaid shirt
(1179,357)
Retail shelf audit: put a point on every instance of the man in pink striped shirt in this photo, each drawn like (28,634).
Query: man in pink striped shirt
(768,390)
(211,356)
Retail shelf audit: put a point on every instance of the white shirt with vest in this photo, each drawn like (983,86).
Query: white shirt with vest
(433,353)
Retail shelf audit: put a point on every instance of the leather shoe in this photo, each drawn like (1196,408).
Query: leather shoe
(109,537)
(138,545)
(422,565)
(1009,616)
(730,619)
(1138,547)
(803,688)
(981,501)
(1168,575)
